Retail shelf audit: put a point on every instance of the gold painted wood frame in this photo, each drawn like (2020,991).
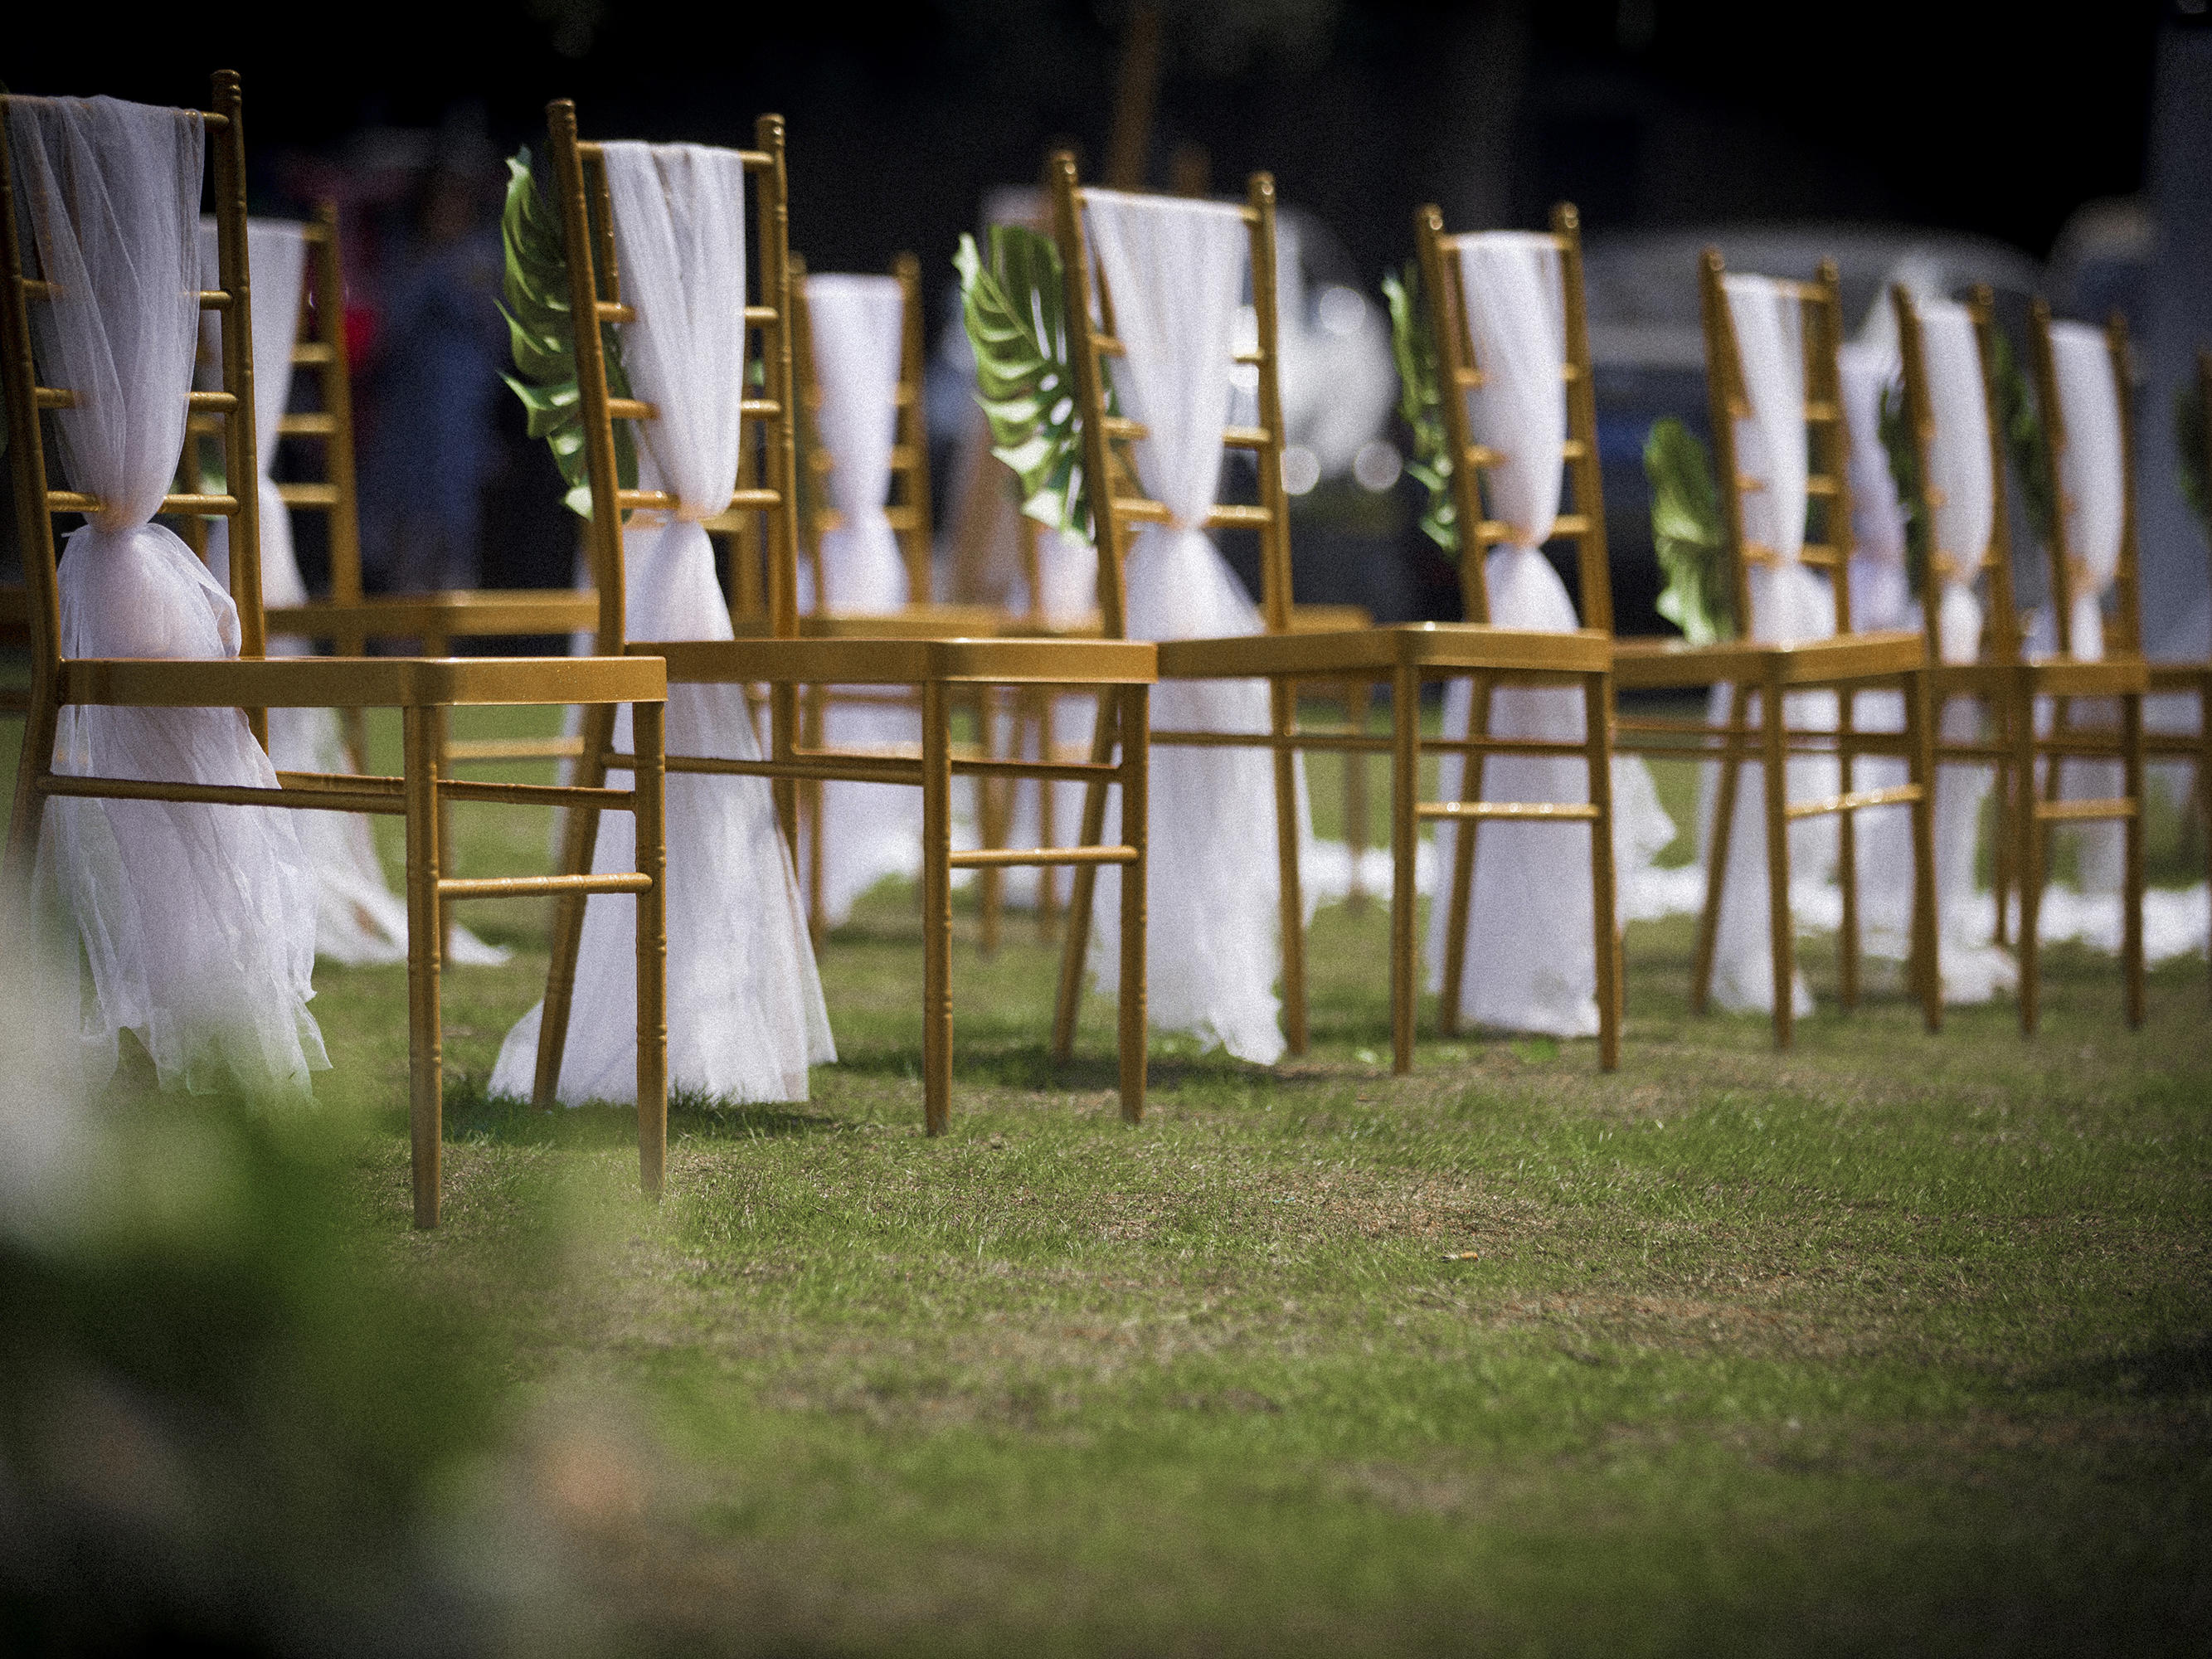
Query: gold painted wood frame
(422,689)
(1402,656)
(941,668)
(1848,664)
(2005,681)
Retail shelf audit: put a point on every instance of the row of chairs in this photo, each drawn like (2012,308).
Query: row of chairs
(942,657)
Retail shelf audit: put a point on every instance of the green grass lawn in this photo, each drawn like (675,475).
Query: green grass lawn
(1892,1343)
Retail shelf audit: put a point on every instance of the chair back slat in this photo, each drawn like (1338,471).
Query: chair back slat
(909,498)
(1116,499)
(1458,373)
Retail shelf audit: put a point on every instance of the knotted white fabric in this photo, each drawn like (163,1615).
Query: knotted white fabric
(1531,953)
(1175,272)
(2091,475)
(872,829)
(745,1015)
(1790,604)
(1963,486)
(358,918)
(198,920)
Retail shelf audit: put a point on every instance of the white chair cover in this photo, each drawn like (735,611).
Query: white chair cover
(2090,481)
(874,828)
(1531,957)
(198,920)
(358,918)
(745,1015)
(1881,598)
(1789,603)
(1176,270)
(1963,486)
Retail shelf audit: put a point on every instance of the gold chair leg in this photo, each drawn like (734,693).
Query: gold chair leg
(2024,830)
(1405,847)
(425,1038)
(994,812)
(1357,693)
(1733,754)
(1847,857)
(1774,753)
(1039,699)
(1077,941)
(33,766)
(936,907)
(1925,967)
(2132,918)
(808,798)
(783,732)
(1605,926)
(648,724)
(1464,844)
(443,717)
(579,838)
(1133,1036)
(1282,700)
(2205,781)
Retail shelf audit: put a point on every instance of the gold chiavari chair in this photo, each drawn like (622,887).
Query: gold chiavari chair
(942,669)
(2007,683)
(1401,655)
(1850,663)
(2190,679)
(422,689)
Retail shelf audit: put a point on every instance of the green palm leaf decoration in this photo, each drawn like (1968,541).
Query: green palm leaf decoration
(1902,448)
(2022,428)
(1421,403)
(542,335)
(2189,438)
(1687,534)
(1015,310)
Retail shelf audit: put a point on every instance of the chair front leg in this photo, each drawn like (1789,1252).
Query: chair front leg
(1405,847)
(1282,710)
(425,1036)
(2132,832)
(1464,843)
(1136,745)
(1847,856)
(1926,962)
(1077,942)
(1733,748)
(1605,907)
(936,907)
(2024,832)
(1781,934)
(580,839)
(647,784)
(33,766)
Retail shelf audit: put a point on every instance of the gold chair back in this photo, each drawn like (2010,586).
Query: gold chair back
(769,452)
(1828,445)
(1116,501)
(1458,372)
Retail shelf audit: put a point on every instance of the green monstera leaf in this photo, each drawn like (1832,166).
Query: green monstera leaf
(2022,427)
(1014,306)
(1421,403)
(1687,534)
(2189,440)
(542,336)
(1901,448)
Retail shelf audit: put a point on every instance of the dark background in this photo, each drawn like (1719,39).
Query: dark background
(1648,113)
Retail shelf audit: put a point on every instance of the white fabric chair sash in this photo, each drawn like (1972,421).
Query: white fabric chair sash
(871,830)
(745,1015)
(1176,270)
(198,921)
(2091,476)
(1881,595)
(1531,963)
(1963,486)
(1789,603)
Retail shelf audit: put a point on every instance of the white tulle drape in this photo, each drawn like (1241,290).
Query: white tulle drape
(1963,487)
(1531,953)
(1881,600)
(198,921)
(2090,475)
(358,918)
(1790,604)
(1175,272)
(874,829)
(746,1016)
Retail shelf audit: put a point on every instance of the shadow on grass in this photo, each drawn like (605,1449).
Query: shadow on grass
(474,1114)
(1019,1064)
(2171,1370)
